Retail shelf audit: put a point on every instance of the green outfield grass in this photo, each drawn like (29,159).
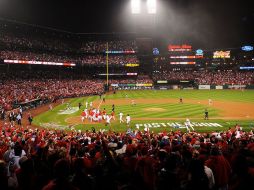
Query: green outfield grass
(170,114)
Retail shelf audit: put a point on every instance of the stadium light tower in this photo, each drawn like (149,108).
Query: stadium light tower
(135,6)
(151,6)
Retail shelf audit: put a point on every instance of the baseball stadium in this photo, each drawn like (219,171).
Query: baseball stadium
(137,94)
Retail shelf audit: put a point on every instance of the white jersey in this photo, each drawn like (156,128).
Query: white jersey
(86,112)
(128,119)
(188,124)
(121,117)
(18,117)
(108,118)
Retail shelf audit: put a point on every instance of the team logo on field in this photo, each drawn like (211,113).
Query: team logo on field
(177,125)
(70,110)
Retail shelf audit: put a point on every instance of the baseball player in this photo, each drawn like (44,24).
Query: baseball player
(121,117)
(188,125)
(128,120)
(108,118)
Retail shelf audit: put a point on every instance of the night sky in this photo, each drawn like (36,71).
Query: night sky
(210,23)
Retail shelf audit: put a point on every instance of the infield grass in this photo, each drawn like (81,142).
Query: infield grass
(157,109)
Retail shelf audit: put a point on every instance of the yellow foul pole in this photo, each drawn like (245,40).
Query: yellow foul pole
(107,62)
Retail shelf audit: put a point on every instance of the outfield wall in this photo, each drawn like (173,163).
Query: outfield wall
(221,87)
(178,86)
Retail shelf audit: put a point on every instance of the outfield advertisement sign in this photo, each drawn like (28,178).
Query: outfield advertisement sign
(236,86)
(179,125)
(162,81)
(126,85)
(146,84)
(219,87)
(204,87)
(132,65)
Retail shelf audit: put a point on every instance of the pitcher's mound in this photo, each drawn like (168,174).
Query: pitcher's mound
(155,109)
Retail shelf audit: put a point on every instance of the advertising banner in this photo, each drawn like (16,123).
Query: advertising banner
(218,87)
(221,54)
(146,84)
(247,48)
(120,52)
(38,62)
(183,63)
(183,47)
(162,81)
(115,85)
(199,52)
(236,86)
(204,87)
(132,65)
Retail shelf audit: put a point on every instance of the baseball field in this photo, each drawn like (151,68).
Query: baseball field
(158,110)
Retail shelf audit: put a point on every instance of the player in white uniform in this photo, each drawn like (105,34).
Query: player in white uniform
(128,120)
(82,118)
(99,116)
(188,124)
(121,117)
(108,118)
(91,104)
(86,113)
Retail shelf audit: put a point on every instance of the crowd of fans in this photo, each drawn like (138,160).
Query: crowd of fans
(22,47)
(207,77)
(53,159)
(140,79)
(20,91)
(18,87)
(226,77)
(30,56)
(83,59)
(22,87)
(15,43)
(112,59)
(101,46)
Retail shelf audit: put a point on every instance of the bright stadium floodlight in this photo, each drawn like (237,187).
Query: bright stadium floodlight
(151,6)
(135,6)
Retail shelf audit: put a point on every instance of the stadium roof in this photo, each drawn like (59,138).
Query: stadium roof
(214,22)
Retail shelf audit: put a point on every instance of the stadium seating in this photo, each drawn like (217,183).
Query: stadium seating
(137,160)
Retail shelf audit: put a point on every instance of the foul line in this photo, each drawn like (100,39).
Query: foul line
(101,102)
